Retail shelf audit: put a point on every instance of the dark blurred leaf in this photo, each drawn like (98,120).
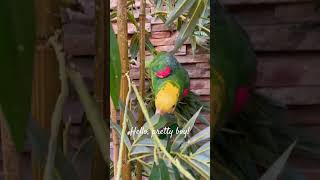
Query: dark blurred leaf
(39,140)
(115,68)
(17,47)
(275,170)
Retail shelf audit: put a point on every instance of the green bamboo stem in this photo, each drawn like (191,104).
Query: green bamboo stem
(122,20)
(123,132)
(57,113)
(142,19)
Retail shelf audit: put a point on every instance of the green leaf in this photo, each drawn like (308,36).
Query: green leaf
(180,7)
(180,137)
(132,121)
(275,170)
(159,171)
(150,46)
(133,20)
(155,172)
(199,137)
(176,172)
(118,131)
(115,68)
(141,150)
(188,27)
(163,170)
(17,47)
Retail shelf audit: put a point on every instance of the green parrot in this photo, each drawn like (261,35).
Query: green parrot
(169,81)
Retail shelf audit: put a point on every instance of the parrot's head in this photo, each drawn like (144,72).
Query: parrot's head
(167,98)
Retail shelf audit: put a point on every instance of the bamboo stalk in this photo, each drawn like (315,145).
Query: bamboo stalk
(142,18)
(99,169)
(123,49)
(11,158)
(46,84)
(115,139)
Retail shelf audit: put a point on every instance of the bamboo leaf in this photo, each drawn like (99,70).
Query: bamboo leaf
(132,121)
(133,20)
(163,170)
(199,137)
(17,47)
(115,68)
(180,137)
(159,171)
(180,7)
(134,46)
(176,173)
(150,46)
(276,168)
(155,172)
(118,131)
(140,150)
(188,28)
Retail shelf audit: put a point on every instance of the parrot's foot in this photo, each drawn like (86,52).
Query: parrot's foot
(134,63)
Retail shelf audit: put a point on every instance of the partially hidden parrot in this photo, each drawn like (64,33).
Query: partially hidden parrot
(169,81)
(233,65)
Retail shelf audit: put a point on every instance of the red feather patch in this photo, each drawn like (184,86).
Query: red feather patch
(164,73)
(185,92)
(242,95)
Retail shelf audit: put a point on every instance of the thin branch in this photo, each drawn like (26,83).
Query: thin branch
(65,136)
(115,139)
(123,132)
(91,108)
(57,113)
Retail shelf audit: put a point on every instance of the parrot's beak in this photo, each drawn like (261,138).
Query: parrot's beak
(159,112)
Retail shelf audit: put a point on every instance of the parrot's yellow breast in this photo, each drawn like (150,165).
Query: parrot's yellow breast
(167,98)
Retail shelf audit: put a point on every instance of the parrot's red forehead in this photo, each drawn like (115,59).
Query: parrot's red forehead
(164,73)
